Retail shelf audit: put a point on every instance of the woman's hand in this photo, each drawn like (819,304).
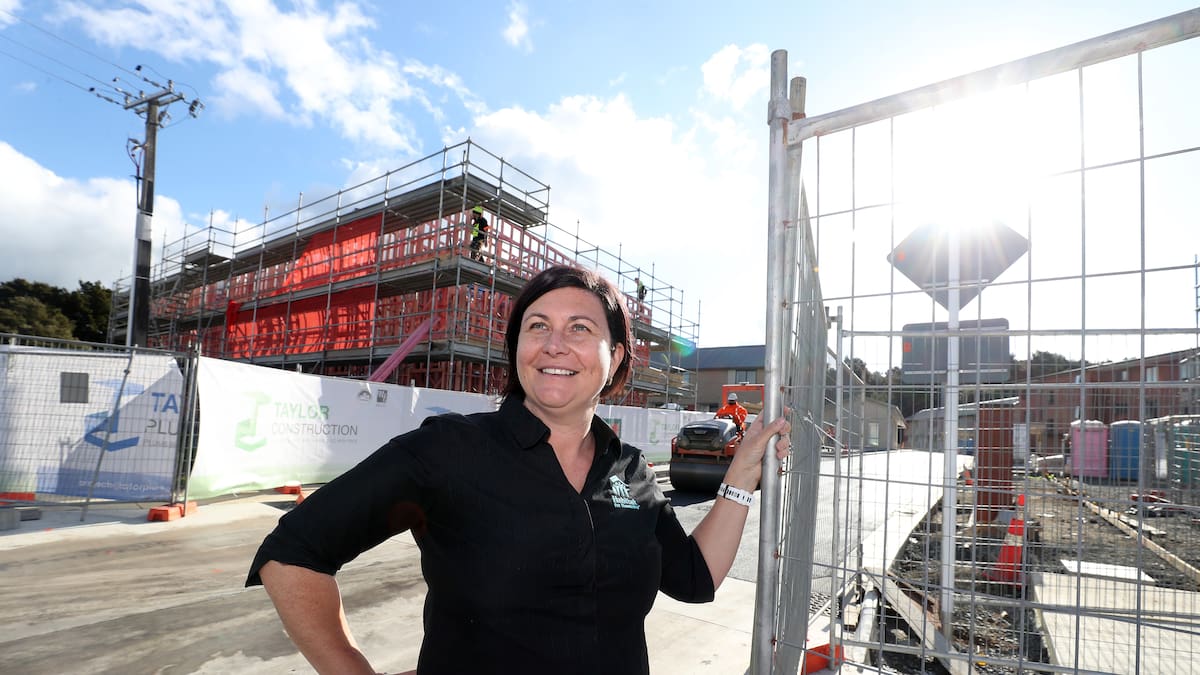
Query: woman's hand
(720,532)
(746,469)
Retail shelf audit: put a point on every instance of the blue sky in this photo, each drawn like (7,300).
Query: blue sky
(647,119)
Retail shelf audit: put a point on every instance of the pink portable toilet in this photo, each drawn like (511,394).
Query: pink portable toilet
(1089,449)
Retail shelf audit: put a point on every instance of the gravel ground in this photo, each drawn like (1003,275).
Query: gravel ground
(1061,524)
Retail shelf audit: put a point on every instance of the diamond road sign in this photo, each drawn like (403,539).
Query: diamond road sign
(984,253)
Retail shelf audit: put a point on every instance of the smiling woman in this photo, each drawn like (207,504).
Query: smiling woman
(572,347)
(544,539)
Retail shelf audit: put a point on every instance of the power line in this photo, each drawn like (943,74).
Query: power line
(43,70)
(67,42)
(59,62)
(181,84)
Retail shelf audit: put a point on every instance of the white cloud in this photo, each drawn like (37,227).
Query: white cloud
(305,65)
(89,223)
(648,186)
(737,74)
(25,87)
(242,91)
(444,79)
(516,33)
(8,10)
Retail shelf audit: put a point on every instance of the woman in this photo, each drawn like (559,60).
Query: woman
(543,538)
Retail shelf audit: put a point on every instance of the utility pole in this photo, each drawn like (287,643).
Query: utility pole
(153,108)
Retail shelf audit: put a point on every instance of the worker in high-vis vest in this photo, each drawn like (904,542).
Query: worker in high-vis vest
(734,411)
(479,230)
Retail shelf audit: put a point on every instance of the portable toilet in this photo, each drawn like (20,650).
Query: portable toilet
(1089,449)
(1124,449)
(1185,450)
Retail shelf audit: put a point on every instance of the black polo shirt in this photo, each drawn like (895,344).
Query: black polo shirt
(524,573)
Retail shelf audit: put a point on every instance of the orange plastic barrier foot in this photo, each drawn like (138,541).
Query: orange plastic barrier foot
(17,497)
(818,658)
(171,511)
(292,487)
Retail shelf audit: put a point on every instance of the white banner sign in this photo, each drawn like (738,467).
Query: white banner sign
(263,427)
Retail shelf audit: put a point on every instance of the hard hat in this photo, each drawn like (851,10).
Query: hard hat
(732,396)
(478,209)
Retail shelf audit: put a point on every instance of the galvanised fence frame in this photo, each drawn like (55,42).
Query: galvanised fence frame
(1036,511)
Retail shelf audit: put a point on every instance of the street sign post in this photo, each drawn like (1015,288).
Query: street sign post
(953,265)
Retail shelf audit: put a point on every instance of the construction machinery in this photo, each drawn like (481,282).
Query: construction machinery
(702,451)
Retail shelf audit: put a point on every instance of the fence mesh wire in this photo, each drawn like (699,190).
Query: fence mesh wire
(1037,507)
(82,421)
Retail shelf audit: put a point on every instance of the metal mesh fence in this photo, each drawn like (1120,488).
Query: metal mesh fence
(1010,479)
(82,422)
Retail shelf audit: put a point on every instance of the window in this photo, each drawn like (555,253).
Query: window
(873,434)
(72,387)
(1152,374)
(747,376)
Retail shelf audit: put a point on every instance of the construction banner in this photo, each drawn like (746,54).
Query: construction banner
(264,427)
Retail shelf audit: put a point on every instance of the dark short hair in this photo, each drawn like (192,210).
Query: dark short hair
(610,299)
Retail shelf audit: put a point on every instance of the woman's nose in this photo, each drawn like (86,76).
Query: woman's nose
(555,342)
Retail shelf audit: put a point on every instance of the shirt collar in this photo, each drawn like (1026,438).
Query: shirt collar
(529,431)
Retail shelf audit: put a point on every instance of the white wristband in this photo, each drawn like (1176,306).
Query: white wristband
(734,494)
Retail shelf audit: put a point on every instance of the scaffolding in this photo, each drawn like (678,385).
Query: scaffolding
(339,285)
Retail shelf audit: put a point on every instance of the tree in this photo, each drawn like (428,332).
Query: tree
(86,310)
(30,316)
(89,309)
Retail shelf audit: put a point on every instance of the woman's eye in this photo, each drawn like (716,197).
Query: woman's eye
(580,328)
(537,325)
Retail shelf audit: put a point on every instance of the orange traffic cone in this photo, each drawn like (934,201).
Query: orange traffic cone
(967,477)
(1008,565)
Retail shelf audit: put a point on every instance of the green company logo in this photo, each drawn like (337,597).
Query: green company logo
(246,434)
(285,419)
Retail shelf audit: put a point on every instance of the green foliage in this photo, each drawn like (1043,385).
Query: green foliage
(29,316)
(38,309)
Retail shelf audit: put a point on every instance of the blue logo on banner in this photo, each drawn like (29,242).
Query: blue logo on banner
(101,424)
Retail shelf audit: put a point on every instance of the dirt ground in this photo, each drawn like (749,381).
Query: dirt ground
(1064,521)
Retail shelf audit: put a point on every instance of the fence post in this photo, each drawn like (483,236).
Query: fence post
(187,437)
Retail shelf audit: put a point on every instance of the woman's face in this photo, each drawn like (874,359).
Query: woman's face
(565,354)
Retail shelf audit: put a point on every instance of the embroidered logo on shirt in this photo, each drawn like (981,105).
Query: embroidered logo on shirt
(620,494)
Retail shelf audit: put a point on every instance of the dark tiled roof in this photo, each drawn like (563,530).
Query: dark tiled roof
(745,357)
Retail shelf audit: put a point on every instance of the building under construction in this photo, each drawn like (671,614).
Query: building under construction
(380,281)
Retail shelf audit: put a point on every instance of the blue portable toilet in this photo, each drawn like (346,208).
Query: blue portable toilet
(1124,449)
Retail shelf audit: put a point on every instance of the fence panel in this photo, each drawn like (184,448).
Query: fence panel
(1011,474)
(82,421)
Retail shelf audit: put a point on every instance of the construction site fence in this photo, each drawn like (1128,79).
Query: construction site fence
(83,422)
(1038,511)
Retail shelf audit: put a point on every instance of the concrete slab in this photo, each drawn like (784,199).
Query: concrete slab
(1095,631)
(1094,569)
